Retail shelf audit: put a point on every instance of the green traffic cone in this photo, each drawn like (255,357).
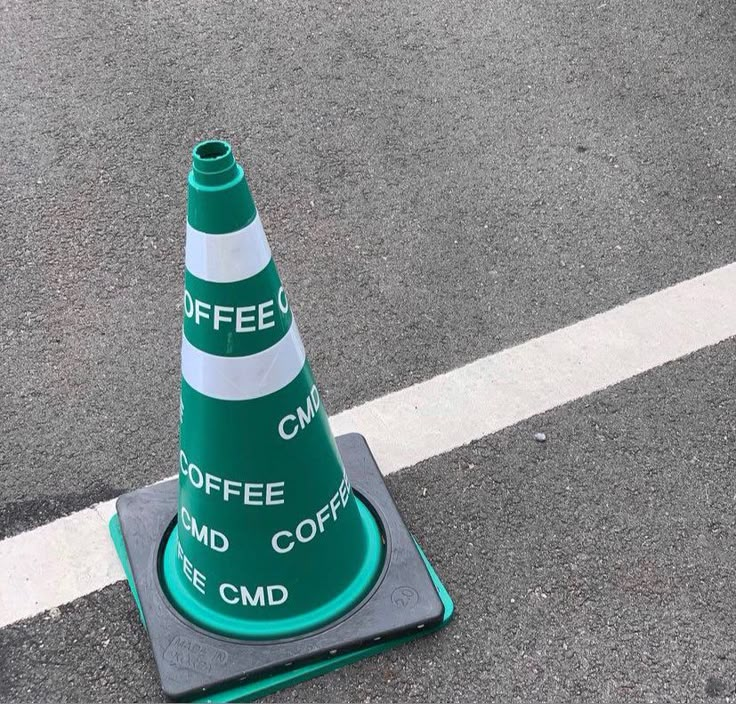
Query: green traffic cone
(270,540)
(276,568)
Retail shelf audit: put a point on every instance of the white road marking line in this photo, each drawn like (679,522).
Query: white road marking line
(73,556)
(497,391)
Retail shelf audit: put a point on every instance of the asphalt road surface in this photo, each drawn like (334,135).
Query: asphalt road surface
(438,182)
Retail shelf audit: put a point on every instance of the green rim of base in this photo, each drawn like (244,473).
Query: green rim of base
(261,687)
(116,533)
(179,595)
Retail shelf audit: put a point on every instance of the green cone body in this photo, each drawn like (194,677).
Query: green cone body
(270,540)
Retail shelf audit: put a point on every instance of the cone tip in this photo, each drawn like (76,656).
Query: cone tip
(213,163)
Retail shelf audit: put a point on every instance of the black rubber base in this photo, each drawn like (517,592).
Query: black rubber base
(193,663)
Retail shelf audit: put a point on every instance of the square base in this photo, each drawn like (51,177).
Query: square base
(408,601)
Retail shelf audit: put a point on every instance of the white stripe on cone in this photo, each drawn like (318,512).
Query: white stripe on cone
(226,258)
(243,378)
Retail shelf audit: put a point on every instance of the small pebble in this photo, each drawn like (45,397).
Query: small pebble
(540,437)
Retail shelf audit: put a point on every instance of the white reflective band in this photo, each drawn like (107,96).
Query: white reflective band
(243,378)
(225,258)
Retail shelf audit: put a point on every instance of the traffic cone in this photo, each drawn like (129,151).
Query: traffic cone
(285,556)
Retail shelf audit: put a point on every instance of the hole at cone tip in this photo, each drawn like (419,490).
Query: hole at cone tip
(213,163)
(213,149)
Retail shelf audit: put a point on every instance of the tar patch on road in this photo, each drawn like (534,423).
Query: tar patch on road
(19,516)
